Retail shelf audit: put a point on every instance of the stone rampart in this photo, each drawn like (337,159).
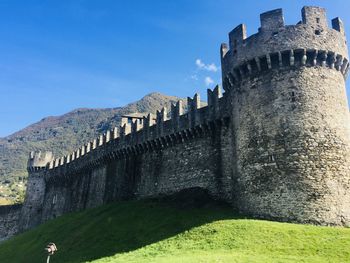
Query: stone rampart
(142,159)
(9,217)
(312,33)
(275,145)
(290,118)
(139,137)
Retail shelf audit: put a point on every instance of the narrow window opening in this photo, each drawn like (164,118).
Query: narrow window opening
(274,60)
(271,158)
(292,96)
(298,56)
(319,58)
(263,63)
(310,57)
(54,200)
(317,20)
(235,46)
(330,57)
(253,65)
(285,59)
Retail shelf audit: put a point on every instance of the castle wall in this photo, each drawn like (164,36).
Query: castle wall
(196,162)
(9,217)
(293,146)
(32,207)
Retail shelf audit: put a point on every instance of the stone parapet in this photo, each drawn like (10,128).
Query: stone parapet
(286,59)
(274,36)
(138,137)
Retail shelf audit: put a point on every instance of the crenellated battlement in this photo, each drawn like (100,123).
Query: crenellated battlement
(149,132)
(312,32)
(271,21)
(286,59)
(39,160)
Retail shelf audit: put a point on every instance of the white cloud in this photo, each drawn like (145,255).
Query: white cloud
(208,81)
(212,67)
(194,77)
(209,67)
(199,63)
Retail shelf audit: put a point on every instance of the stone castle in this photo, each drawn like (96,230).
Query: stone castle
(275,144)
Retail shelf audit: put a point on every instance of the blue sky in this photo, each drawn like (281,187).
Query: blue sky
(56,56)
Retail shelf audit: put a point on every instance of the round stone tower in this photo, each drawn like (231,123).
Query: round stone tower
(290,118)
(31,210)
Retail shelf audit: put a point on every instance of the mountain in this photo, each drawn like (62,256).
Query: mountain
(62,135)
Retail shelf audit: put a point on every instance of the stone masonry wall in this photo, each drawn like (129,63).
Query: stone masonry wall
(293,146)
(9,216)
(134,161)
(290,118)
(196,162)
(32,206)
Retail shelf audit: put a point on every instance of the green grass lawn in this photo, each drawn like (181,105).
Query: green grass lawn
(160,231)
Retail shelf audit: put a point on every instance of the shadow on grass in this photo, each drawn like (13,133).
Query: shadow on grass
(116,228)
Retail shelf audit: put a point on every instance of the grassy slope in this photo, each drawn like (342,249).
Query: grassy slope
(153,231)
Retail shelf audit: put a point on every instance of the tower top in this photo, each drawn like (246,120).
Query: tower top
(38,160)
(312,32)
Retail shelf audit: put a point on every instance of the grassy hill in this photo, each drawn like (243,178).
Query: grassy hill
(62,135)
(163,231)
